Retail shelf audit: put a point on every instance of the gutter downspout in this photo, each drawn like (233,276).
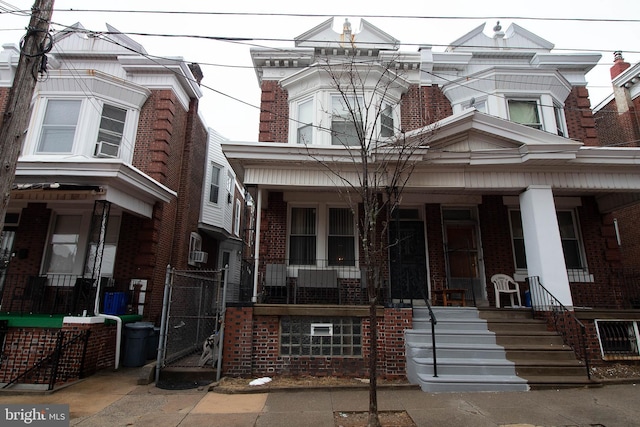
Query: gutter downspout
(117,319)
(221,331)
(254,298)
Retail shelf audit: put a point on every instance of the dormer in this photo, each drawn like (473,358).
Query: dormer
(512,74)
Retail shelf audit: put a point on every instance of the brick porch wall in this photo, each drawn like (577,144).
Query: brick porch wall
(24,347)
(251,347)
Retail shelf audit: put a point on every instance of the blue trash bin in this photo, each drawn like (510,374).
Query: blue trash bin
(136,336)
(527,298)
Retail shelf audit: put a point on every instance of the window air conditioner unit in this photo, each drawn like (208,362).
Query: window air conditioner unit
(199,256)
(107,149)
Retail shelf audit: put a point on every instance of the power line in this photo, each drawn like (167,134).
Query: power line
(323,15)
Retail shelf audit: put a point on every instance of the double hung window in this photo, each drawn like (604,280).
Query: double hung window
(525,113)
(346,120)
(63,245)
(111,131)
(341,239)
(59,126)
(569,236)
(305,122)
(302,243)
(214,185)
(386,121)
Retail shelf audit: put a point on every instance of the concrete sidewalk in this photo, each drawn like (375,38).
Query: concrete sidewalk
(116,399)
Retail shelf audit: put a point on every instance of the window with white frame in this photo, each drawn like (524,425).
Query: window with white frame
(305,122)
(111,131)
(236,221)
(558,113)
(195,247)
(341,237)
(344,128)
(230,185)
(386,121)
(214,185)
(525,112)
(302,236)
(62,251)
(569,235)
(59,126)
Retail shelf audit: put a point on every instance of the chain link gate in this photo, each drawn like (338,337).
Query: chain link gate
(193,311)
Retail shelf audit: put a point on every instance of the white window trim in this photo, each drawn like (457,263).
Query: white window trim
(237,216)
(527,99)
(212,167)
(322,114)
(195,244)
(87,128)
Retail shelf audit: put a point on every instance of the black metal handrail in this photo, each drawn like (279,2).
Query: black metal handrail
(51,363)
(433,321)
(543,301)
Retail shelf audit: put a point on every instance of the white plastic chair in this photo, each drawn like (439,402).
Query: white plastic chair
(503,285)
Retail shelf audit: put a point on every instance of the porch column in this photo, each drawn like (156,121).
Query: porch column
(256,255)
(543,246)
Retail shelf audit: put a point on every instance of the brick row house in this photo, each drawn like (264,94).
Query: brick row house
(118,178)
(511,178)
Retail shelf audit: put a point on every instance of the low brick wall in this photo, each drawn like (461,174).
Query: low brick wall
(252,342)
(26,346)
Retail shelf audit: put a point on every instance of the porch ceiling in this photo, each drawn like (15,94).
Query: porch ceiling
(110,180)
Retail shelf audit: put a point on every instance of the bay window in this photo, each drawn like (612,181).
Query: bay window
(59,126)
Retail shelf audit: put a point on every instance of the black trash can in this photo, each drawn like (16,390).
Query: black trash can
(136,337)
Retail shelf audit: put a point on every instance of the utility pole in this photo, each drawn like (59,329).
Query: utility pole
(33,49)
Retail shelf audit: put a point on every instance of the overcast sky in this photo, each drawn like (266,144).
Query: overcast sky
(229,78)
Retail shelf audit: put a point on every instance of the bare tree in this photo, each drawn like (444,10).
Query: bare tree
(381,159)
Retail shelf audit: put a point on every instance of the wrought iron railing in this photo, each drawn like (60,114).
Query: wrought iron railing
(64,294)
(434,322)
(54,366)
(565,322)
(281,281)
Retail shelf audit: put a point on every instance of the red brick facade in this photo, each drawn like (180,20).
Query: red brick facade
(423,105)
(580,122)
(251,347)
(25,347)
(274,113)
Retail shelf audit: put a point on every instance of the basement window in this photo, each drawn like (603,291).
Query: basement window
(307,336)
(618,339)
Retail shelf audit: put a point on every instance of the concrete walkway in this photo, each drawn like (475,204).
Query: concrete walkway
(116,399)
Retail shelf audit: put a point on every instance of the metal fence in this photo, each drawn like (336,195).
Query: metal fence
(193,311)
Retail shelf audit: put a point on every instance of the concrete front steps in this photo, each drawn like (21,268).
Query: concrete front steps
(540,356)
(468,357)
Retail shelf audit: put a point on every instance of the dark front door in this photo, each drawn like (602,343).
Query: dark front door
(408,260)
(462,260)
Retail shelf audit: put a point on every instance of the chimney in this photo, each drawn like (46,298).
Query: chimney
(619,65)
